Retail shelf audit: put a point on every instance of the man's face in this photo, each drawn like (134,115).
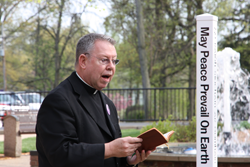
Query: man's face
(98,75)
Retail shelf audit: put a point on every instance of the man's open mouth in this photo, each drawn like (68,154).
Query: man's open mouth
(106,76)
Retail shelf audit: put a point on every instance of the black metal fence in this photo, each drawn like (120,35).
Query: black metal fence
(136,104)
(152,104)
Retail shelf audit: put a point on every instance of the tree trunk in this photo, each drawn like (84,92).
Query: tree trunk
(142,55)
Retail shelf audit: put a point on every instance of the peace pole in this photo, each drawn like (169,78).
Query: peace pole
(206,90)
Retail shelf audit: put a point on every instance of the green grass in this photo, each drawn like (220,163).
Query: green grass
(130,132)
(29,144)
(1,147)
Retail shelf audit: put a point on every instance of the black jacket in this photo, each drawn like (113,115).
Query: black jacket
(70,132)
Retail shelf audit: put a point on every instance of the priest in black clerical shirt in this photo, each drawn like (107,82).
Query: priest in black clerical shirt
(77,125)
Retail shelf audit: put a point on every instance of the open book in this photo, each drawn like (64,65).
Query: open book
(153,138)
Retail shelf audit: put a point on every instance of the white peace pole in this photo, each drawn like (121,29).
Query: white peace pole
(206,90)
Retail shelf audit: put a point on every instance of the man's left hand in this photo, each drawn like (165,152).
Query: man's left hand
(138,157)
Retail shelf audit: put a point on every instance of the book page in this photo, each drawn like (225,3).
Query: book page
(168,135)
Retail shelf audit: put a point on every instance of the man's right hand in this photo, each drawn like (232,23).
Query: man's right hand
(122,147)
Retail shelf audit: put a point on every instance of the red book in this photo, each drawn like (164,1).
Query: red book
(153,138)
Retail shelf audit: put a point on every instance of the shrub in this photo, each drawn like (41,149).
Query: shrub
(243,125)
(183,133)
(135,112)
(186,133)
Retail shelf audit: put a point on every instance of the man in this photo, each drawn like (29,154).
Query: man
(77,125)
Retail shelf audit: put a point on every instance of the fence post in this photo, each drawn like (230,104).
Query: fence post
(12,137)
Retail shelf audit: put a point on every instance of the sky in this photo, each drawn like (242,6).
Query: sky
(94,16)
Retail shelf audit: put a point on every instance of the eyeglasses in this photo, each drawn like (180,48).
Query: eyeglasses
(106,61)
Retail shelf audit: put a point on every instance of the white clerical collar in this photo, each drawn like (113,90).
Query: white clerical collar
(86,83)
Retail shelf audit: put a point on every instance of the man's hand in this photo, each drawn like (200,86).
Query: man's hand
(122,147)
(138,157)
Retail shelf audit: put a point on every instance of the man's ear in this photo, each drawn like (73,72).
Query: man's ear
(82,61)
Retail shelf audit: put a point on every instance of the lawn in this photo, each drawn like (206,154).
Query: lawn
(29,144)
(130,132)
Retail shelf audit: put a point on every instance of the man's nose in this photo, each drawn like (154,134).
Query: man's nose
(111,65)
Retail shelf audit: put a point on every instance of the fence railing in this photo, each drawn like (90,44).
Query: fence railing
(137,104)
(152,104)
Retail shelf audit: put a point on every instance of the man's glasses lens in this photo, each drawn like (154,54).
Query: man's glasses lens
(115,62)
(106,61)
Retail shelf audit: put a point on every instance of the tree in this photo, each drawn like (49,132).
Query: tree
(141,45)
(12,25)
(142,54)
(238,31)
(51,43)
(166,59)
(57,9)
(170,30)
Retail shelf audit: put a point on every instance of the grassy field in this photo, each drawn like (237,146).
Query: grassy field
(29,144)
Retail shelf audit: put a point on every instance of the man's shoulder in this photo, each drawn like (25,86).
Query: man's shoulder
(64,86)
(63,89)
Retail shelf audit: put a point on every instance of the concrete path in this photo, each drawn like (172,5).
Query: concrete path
(23,161)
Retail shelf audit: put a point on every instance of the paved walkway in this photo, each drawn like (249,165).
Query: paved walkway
(24,160)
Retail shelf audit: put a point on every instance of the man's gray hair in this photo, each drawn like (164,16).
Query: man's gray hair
(86,43)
